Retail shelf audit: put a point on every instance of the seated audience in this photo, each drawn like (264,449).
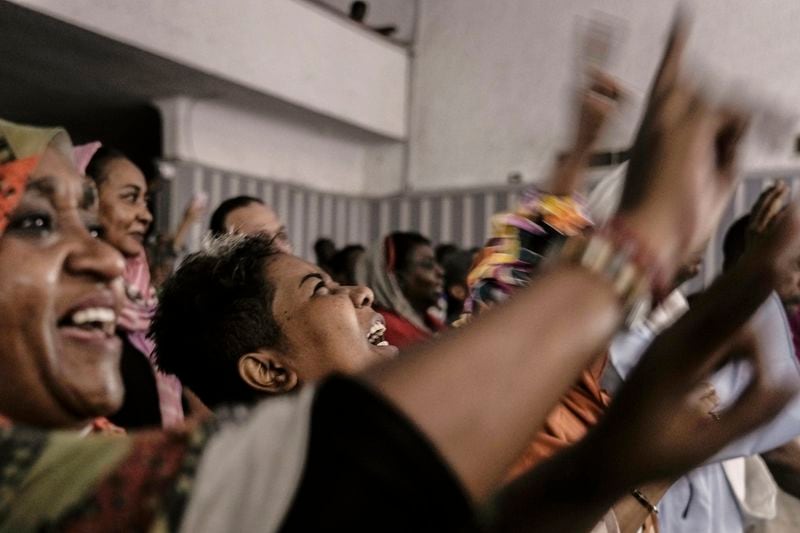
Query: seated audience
(343,264)
(403,446)
(249,215)
(152,398)
(456,268)
(783,462)
(407,281)
(325,250)
(242,320)
(164,249)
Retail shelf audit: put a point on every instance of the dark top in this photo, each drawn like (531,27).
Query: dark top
(369,468)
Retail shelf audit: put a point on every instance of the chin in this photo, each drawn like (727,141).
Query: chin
(99,402)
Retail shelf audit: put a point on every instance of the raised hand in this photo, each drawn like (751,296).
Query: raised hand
(597,103)
(654,422)
(682,167)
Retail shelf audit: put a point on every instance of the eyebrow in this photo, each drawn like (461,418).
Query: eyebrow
(312,275)
(44,185)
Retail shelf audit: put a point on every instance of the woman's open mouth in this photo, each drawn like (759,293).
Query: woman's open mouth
(376,333)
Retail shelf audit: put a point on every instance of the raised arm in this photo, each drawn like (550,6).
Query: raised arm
(484,380)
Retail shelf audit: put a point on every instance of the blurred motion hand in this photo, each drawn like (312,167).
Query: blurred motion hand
(660,426)
(655,423)
(682,167)
(597,103)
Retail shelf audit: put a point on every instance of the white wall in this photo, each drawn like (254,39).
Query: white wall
(285,48)
(285,144)
(491,80)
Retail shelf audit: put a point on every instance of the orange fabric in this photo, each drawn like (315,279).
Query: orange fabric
(578,410)
(13,177)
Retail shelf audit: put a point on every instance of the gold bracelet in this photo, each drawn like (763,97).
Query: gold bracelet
(642,499)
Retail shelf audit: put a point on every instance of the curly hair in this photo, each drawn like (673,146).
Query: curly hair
(214,309)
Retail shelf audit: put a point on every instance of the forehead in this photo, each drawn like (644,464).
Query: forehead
(121,172)
(287,270)
(56,179)
(422,250)
(253,211)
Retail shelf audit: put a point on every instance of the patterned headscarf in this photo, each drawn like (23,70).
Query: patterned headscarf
(20,149)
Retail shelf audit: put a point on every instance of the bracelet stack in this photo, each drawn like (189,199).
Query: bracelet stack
(621,259)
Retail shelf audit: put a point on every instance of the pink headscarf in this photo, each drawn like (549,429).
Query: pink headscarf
(137,312)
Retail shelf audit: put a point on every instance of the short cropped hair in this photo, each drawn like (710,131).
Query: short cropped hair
(214,309)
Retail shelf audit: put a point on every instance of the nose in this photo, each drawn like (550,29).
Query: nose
(361,296)
(93,257)
(144,215)
(438,271)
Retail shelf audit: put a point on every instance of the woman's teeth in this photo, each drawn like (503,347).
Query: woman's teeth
(102,318)
(375,335)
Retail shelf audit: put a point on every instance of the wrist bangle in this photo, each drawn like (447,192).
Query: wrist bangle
(615,260)
(642,499)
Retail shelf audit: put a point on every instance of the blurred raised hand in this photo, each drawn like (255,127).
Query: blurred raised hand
(683,162)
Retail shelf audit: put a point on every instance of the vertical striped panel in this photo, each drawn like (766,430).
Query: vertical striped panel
(340,220)
(197,185)
(468,215)
(252,187)
(354,222)
(312,218)
(297,225)
(404,222)
(281,201)
(458,217)
(445,220)
(425,216)
(383,226)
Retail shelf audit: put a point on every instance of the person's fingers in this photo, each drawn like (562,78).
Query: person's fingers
(604,84)
(757,214)
(760,402)
(669,68)
(772,207)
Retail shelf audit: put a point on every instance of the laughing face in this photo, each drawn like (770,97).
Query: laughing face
(327,327)
(124,214)
(60,294)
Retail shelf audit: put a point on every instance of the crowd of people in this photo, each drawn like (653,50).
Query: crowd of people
(555,379)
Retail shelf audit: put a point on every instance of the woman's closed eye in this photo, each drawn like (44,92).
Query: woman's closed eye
(321,289)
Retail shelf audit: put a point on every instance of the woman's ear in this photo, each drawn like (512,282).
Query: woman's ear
(265,371)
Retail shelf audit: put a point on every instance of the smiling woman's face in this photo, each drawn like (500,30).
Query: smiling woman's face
(60,294)
(123,206)
(327,327)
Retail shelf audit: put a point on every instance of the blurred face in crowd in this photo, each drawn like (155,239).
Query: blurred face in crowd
(60,295)
(326,327)
(421,279)
(256,218)
(123,207)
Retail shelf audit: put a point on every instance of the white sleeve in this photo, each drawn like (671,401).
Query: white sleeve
(249,472)
(780,361)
